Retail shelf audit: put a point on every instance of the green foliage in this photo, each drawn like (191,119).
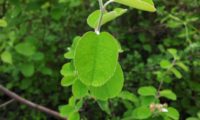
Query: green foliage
(161,47)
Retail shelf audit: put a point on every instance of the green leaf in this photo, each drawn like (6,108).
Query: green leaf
(79,104)
(26,48)
(74,116)
(147,100)
(38,56)
(165,64)
(198,114)
(68,80)
(147,91)
(69,112)
(146,5)
(104,105)
(192,118)
(72,101)
(110,89)
(93,18)
(176,72)
(66,110)
(96,58)
(27,69)
(141,113)
(126,95)
(71,52)
(79,90)
(69,55)
(67,70)
(183,66)
(173,52)
(6,57)
(168,94)
(3,23)
(173,113)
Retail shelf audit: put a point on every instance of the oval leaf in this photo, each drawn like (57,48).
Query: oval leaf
(79,90)
(147,91)
(165,64)
(126,95)
(6,57)
(173,113)
(141,113)
(27,69)
(3,23)
(68,72)
(112,88)
(96,58)
(168,94)
(93,18)
(176,73)
(26,49)
(146,5)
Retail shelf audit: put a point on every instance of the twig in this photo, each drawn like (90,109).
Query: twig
(97,29)
(161,82)
(102,10)
(31,104)
(6,103)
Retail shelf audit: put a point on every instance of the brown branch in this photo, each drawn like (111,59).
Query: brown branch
(31,104)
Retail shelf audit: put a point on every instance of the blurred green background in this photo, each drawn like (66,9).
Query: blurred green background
(38,33)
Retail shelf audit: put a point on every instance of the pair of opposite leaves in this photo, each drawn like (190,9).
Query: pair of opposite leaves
(95,59)
(146,5)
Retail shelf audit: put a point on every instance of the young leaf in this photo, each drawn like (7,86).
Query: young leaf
(68,80)
(110,89)
(168,94)
(147,91)
(69,55)
(104,105)
(93,18)
(66,110)
(165,64)
(79,90)
(71,52)
(6,57)
(68,72)
(74,116)
(173,52)
(126,95)
(183,66)
(27,69)
(173,113)
(141,113)
(26,48)
(176,73)
(147,100)
(96,58)
(146,5)
(192,118)
(3,23)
